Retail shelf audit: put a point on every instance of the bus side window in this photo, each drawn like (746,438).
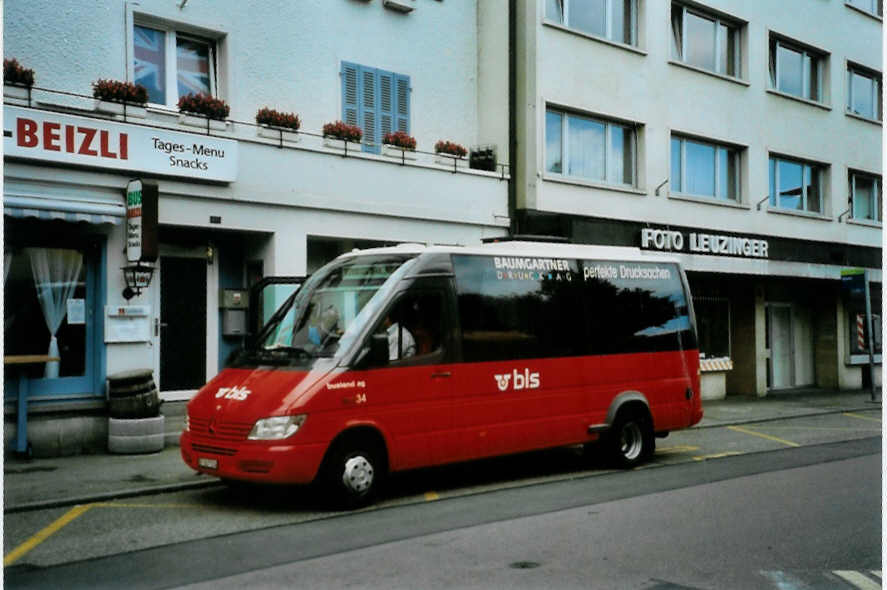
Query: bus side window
(413,327)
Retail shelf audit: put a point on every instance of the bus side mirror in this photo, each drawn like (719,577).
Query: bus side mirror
(378,356)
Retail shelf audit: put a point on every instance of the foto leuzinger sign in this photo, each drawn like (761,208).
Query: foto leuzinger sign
(67,139)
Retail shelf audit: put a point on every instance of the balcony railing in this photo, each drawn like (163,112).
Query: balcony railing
(82,105)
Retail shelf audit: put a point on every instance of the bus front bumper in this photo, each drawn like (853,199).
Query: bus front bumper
(258,461)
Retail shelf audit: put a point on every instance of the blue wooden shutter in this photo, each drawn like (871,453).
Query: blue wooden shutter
(387,106)
(350,92)
(402,112)
(369,107)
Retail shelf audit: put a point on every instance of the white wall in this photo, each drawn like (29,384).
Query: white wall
(641,86)
(285,55)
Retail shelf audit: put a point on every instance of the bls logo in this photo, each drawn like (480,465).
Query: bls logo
(525,380)
(235,393)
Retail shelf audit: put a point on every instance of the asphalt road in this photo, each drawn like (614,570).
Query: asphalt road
(752,506)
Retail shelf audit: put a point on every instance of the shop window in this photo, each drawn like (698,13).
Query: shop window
(705,40)
(614,20)
(589,148)
(713,326)
(865,196)
(171,64)
(376,101)
(796,185)
(796,70)
(50,310)
(704,169)
(864,92)
(857,327)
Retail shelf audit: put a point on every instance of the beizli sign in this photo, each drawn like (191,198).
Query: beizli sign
(66,139)
(703,243)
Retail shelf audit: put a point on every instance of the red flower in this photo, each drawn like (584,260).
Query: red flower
(115,91)
(15,73)
(448,147)
(268,116)
(400,139)
(340,130)
(204,104)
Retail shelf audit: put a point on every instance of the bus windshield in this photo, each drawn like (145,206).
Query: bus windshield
(330,309)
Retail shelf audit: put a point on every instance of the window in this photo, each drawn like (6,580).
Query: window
(704,169)
(796,185)
(171,64)
(713,326)
(588,148)
(864,92)
(871,6)
(857,327)
(795,70)
(570,308)
(705,41)
(614,20)
(376,101)
(865,196)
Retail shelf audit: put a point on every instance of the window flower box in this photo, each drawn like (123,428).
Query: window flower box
(203,110)
(17,80)
(277,125)
(399,145)
(120,98)
(398,153)
(16,92)
(336,134)
(449,154)
(277,133)
(202,122)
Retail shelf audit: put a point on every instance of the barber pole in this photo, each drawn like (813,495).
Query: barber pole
(860,331)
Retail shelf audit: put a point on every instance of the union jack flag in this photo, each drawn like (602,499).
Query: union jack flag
(150,62)
(192,61)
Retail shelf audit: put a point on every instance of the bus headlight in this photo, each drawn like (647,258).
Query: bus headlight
(276,427)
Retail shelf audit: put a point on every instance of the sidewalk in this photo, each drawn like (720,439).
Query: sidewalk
(66,481)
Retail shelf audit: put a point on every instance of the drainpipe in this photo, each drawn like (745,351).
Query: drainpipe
(512,117)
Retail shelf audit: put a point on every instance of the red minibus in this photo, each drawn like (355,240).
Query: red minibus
(396,358)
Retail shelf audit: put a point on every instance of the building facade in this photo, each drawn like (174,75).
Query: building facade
(235,202)
(743,137)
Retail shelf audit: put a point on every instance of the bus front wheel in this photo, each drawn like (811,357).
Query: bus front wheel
(630,441)
(353,473)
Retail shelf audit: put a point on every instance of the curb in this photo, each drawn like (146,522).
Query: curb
(108,496)
(787,417)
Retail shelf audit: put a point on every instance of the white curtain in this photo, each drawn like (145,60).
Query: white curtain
(55,273)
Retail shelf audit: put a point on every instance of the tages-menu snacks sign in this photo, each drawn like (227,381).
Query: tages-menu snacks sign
(68,139)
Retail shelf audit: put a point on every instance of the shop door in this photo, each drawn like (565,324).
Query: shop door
(182,323)
(781,349)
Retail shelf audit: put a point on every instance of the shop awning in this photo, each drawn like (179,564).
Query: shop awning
(73,210)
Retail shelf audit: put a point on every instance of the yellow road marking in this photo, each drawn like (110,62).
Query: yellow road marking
(25,547)
(852,415)
(129,505)
(431,496)
(762,435)
(677,449)
(717,455)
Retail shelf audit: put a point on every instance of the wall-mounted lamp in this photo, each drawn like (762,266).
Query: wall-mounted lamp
(841,216)
(209,253)
(656,192)
(137,278)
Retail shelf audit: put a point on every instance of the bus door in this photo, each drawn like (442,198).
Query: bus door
(413,389)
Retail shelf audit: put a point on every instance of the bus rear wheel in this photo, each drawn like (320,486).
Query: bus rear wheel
(630,441)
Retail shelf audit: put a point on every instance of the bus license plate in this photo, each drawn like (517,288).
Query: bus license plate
(208,463)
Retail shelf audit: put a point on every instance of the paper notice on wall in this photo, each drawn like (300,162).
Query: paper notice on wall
(76,311)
